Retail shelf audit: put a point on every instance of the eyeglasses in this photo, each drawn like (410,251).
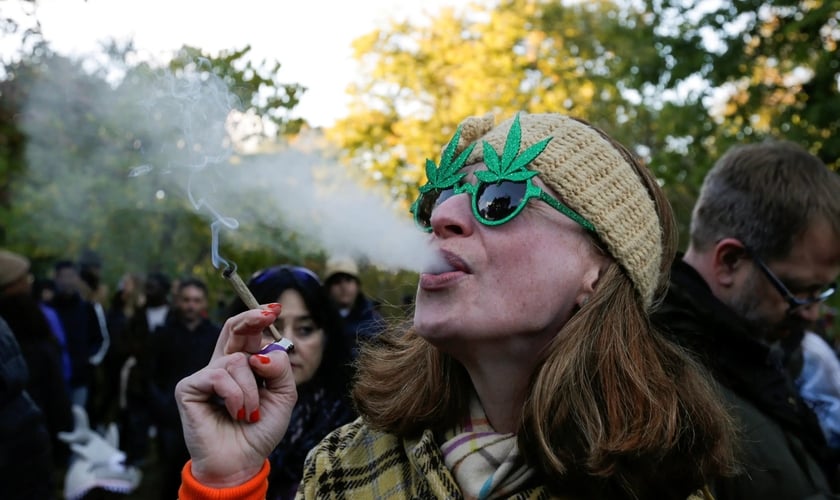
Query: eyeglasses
(493,203)
(793,301)
(297,272)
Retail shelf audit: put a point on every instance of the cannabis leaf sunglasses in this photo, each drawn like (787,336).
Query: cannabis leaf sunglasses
(500,192)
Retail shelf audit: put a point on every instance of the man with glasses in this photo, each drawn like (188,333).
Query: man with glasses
(764,252)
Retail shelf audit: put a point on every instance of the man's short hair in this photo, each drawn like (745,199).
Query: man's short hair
(65,264)
(194,282)
(765,195)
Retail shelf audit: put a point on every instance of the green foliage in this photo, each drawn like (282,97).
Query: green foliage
(679,82)
(255,86)
(89,161)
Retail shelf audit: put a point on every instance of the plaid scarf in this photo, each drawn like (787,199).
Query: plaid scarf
(486,464)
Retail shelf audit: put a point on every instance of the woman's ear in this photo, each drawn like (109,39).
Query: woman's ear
(591,278)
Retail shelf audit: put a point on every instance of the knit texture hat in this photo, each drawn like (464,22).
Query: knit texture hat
(12,267)
(592,178)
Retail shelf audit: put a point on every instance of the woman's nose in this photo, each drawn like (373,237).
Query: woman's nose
(453,217)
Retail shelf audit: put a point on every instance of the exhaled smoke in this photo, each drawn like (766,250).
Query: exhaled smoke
(160,133)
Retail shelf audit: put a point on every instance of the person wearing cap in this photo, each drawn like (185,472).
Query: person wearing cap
(39,348)
(764,253)
(531,369)
(360,319)
(26,460)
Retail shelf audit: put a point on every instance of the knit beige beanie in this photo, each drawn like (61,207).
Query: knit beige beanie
(592,178)
(13,266)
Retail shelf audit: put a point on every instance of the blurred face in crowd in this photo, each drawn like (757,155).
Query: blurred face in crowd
(156,291)
(343,289)
(66,281)
(295,323)
(191,304)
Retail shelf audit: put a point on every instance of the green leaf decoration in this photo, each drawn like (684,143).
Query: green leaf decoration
(511,144)
(447,173)
(491,159)
(521,175)
(510,166)
(491,177)
(487,176)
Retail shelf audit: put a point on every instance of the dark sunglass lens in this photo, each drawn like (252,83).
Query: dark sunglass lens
(429,201)
(499,200)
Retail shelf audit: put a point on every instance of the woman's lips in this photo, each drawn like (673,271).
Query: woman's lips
(448,269)
(440,281)
(445,262)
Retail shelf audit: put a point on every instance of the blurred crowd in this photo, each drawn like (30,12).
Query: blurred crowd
(88,376)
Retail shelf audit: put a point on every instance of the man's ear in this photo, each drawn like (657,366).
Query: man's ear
(730,257)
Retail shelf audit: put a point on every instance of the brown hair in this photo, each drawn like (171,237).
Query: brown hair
(773,184)
(615,410)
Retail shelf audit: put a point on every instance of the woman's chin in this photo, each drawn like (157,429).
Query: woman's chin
(431,321)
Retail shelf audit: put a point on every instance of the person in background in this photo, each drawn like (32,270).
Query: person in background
(93,290)
(181,346)
(135,419)
(43,291)
(26,463)
(91,285)
(39,347)
(321,364)
(819,384)
(360,317)
(124,303)
(81,326)
(531,370)
(764,252)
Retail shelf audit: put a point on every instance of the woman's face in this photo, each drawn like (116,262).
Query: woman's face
(509,287)
(296,324)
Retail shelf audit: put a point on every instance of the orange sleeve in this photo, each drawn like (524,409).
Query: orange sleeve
(254,489)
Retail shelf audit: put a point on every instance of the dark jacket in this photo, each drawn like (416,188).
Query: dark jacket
(363,322)
(25,451)
(42,354)
(174,353)
(784,453)
(84,336)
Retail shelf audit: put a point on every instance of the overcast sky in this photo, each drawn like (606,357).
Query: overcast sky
(310,38)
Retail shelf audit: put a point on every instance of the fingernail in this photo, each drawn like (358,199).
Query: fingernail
(240,415)
(255,416)
(274,306)
(263,358)
(268,313)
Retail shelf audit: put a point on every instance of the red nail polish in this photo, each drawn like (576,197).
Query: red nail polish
(255,416)
(274,306)
(267,313)
(240,415)
(263,358)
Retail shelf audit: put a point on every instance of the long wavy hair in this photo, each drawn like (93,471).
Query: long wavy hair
(614,409)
